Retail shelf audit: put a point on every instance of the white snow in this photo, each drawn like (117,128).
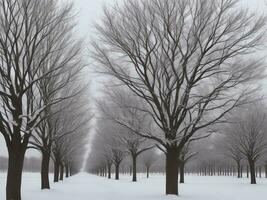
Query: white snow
(89,187)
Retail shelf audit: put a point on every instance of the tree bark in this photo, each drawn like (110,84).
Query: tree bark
(252,171)
(134,159)
(14,174)
(147,172)
(172,171)
(71,170)
(117,171)
(56,170)
(238,169)
(67,171)
(109,171)
(45,170)
(181,167)
(61,172)
(131,169)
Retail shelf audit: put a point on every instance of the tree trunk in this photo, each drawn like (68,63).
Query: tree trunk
(61,172)
(45,170)
(181,167)
(238,169)
(14,173)
(134,158)
(67,171)
(265,170)
(109,171)
(106,172)
(131,169)
(252,171)
(147,172)
(56,170)
(117,171)
(172,171)
(71,171)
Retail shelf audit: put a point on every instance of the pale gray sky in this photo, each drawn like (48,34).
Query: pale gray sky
(88,13)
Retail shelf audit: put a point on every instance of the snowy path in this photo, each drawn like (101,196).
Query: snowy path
(88,187)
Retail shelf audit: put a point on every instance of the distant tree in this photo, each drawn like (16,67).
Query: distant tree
(120,103)
(231,149)
(148,159)
(248,133)
(108,163)
(117,157)
(32,164)
(100,153)
(97,158)
(188,60)
(70,127)
(186,155)
(110,141)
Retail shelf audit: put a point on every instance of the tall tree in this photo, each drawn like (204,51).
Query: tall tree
(231,149)
(60,85)
(66,92)
(31,31)
(189,60)
(120,103)
(248,133)
(70,128)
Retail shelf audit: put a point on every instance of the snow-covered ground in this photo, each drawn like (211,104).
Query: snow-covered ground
(89,187)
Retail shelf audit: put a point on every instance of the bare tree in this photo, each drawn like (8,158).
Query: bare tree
(135,148)
(70,129)
(65,66)
(100,157)
(148,159)
(186,155)
(108,162)
(231,149)
(117,157)
(31,37)
(100,153)
(75,146)
(121,104)
(189,60)
(111,141)
(68,91)
(248,133)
